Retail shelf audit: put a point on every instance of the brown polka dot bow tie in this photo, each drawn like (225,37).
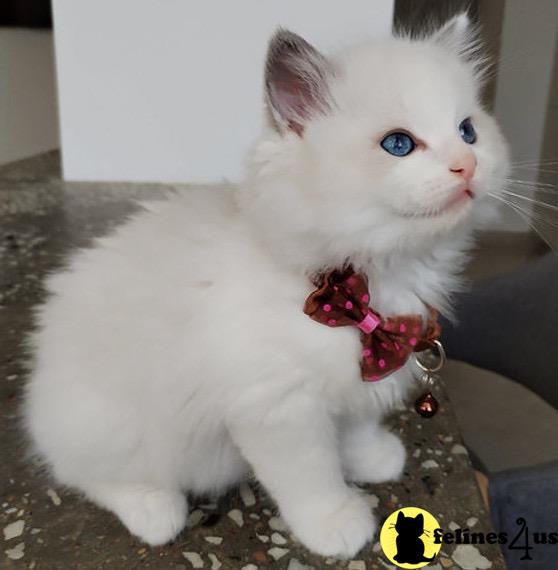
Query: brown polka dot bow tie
(342,299)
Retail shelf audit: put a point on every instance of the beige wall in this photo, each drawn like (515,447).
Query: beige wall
(28,117)
(550,145)
(523,86)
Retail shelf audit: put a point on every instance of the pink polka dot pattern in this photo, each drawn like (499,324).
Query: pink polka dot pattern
(342,299)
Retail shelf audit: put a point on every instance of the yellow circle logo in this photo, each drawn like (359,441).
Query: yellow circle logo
(407,538)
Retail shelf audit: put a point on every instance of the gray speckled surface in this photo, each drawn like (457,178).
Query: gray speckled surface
(42,220)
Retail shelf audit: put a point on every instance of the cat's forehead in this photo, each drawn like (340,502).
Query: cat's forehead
(414,82)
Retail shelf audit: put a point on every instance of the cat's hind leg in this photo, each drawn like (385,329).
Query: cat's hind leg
(152,514)
(370,453)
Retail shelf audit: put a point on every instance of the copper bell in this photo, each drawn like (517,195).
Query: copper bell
(426,405)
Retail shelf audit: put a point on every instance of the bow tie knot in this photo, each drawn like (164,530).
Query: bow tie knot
(342,299)
(369,323)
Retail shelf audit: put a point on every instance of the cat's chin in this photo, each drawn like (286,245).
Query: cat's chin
(438,222)
(457,207)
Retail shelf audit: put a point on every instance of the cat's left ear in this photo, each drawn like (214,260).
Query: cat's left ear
(458,35)
(455,33)
(296,81)
(420,518)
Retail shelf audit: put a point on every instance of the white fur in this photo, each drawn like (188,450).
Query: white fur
(174,355)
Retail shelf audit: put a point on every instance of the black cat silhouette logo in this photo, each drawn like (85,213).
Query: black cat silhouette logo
(407,538)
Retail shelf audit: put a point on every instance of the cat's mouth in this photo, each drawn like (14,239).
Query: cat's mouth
(452,205)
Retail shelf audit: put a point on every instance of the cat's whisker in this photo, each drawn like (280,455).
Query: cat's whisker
(531,200)
(536,220)
(510,204)
(540,164)
(526,214)
(529,183)
(545,221)
(526,186)
(537,169)
(533,189)
(535,163)
(529,217)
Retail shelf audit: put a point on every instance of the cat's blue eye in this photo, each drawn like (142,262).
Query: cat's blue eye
(398,144)
(467,131)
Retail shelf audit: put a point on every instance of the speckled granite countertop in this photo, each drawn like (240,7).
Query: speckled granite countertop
(41,221)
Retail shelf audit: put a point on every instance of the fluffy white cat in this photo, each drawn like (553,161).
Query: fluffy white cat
(174,356)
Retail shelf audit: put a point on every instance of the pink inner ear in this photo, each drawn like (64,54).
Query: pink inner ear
(296,127)
(292,99)
(296,80)
(287,101)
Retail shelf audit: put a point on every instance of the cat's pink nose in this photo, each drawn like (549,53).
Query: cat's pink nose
(465,166)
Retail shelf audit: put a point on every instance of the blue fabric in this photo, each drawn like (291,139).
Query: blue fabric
(532,494)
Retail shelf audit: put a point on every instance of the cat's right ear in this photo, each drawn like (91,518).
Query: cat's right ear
(296,81)
(400,517)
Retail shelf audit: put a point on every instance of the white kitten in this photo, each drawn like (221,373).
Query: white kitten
(175,357)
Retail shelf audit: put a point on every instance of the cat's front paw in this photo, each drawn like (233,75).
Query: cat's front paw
(373,457)
(340,531)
